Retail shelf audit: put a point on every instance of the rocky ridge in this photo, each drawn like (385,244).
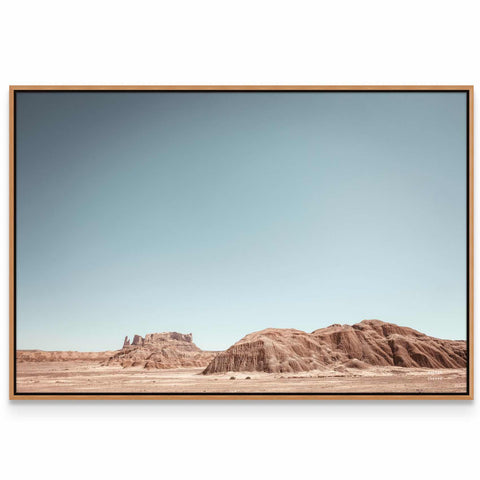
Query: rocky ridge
(363,345)
(60,356)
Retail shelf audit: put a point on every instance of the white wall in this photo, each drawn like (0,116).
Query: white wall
(248,42)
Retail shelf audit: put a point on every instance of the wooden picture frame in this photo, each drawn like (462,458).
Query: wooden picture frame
(250,395)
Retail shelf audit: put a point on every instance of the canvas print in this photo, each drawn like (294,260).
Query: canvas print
(255,243)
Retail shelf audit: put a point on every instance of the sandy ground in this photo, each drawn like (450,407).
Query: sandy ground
(90,377)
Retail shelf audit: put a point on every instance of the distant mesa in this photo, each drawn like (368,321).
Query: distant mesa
(366,344)
(159,338)
(160,350)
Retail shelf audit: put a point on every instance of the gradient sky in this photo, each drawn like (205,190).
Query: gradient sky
(225,213)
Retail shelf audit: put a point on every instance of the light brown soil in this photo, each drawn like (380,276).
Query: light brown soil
(90,377)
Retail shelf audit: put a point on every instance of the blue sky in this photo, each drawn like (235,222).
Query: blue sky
(225,213)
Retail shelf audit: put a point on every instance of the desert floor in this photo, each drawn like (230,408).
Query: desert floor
(90,377)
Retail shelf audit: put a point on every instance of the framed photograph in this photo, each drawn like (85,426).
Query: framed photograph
(241,242)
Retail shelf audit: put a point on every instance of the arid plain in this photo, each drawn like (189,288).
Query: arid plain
(368,357)
(89,377)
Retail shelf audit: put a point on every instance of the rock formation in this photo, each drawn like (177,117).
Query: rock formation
(160,350)
(363,345)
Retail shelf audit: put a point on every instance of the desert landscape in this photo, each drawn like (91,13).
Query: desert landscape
(368,357)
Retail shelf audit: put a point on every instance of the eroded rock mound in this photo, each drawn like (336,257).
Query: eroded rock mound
(160,350)
(366,344)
